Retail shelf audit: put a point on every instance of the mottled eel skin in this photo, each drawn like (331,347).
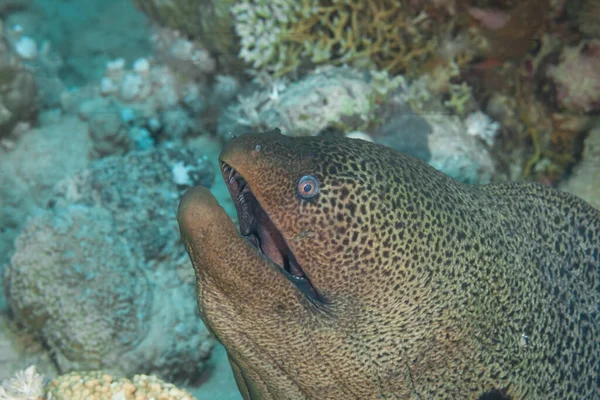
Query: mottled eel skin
(391,280)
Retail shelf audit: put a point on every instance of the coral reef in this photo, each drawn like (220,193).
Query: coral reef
(481,125)
(41,62)
(340,98)
(541,102)
(104,118)
(207,21)
(280,36)
(101,275)
(343,100)
(133,108)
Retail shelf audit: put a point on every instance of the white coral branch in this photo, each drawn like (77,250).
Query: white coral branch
(25,385)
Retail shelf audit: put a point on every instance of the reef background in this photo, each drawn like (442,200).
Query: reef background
(111,109)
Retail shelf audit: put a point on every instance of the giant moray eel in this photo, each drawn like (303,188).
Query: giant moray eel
(362,273)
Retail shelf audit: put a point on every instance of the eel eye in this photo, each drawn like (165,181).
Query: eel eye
(308,187)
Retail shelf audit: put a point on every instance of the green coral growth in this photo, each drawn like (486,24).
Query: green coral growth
(279,36)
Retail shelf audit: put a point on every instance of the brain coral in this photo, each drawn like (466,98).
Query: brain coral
(100,276)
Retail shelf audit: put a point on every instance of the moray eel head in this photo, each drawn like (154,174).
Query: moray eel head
(285,293)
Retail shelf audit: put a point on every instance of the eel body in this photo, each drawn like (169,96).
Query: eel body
(361,273)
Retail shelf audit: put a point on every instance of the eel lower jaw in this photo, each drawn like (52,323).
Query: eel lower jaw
(256,226)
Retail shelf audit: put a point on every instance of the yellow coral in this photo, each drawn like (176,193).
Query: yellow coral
(98,385)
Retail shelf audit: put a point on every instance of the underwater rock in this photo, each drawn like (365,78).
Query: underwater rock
(40,60)
(19,351)
(101,275)
(207,21)
(17,89)
(142,190)
(86,34)
(75,282)
(577,77)
(182,55)
(584,180)
(440,139)
(41,157)
(337,97)
(131,109)
(586,14)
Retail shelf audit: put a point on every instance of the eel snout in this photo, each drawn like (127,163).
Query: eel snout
(224,261)
(198,212)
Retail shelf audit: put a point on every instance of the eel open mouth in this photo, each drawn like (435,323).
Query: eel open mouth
(259,230)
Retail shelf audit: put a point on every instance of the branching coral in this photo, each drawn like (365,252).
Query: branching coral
(280,35)
(25,385)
